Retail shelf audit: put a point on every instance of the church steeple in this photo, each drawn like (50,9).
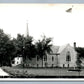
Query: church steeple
(27,31)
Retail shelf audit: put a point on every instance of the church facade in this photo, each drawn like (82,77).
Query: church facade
(63,56)
(67,56)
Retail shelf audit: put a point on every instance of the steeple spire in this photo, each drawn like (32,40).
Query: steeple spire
(27,31)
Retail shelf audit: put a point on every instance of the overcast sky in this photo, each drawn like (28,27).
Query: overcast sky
(49,19)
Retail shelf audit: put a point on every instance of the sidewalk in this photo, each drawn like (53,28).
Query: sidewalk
(3,73)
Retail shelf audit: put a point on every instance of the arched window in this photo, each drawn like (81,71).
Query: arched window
(37,65)
(52,65)
(45,58)
(45,64)
(52,58)
(68,57)
(63,65)
(37,58)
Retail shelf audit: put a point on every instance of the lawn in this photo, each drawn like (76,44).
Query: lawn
(41,72)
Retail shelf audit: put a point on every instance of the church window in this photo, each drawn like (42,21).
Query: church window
(52,65)
(45,64)
(68,57)
(45,58)
(68,65)
(37,58)
(63,65)
(37,65)
(52,58)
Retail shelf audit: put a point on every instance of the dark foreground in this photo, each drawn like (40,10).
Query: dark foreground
(42,77)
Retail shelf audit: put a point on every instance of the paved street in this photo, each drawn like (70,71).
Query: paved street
(3,73)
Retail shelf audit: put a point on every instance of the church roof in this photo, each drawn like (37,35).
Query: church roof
(54,49)
(61,48)
(58,49)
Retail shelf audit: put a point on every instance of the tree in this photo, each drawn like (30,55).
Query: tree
(29,48)
(43,47)
(19,46)
(24,47)
(6,49)
(78,62)
(18,42)
(80,50)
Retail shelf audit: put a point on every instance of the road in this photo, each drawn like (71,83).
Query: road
(3,73)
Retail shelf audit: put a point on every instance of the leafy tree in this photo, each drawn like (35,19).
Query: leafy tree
(18,42)
(80,50)
(29,48)
(78,62)
(6,49)
(43,47)
(24,47)
(19,46)
(80,56)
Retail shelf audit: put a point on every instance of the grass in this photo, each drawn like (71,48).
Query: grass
(17,72)
(40,72)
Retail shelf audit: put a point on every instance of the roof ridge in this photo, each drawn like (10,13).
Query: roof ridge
(61,48)
(54,48)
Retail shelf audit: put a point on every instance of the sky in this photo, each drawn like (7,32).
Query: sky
(50,20)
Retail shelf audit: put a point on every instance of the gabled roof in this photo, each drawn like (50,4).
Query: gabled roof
(54,49)
(57,49)
(61,48)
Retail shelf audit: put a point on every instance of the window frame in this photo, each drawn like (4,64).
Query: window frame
(68,56)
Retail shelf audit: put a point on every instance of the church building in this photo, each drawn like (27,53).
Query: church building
(63,56)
